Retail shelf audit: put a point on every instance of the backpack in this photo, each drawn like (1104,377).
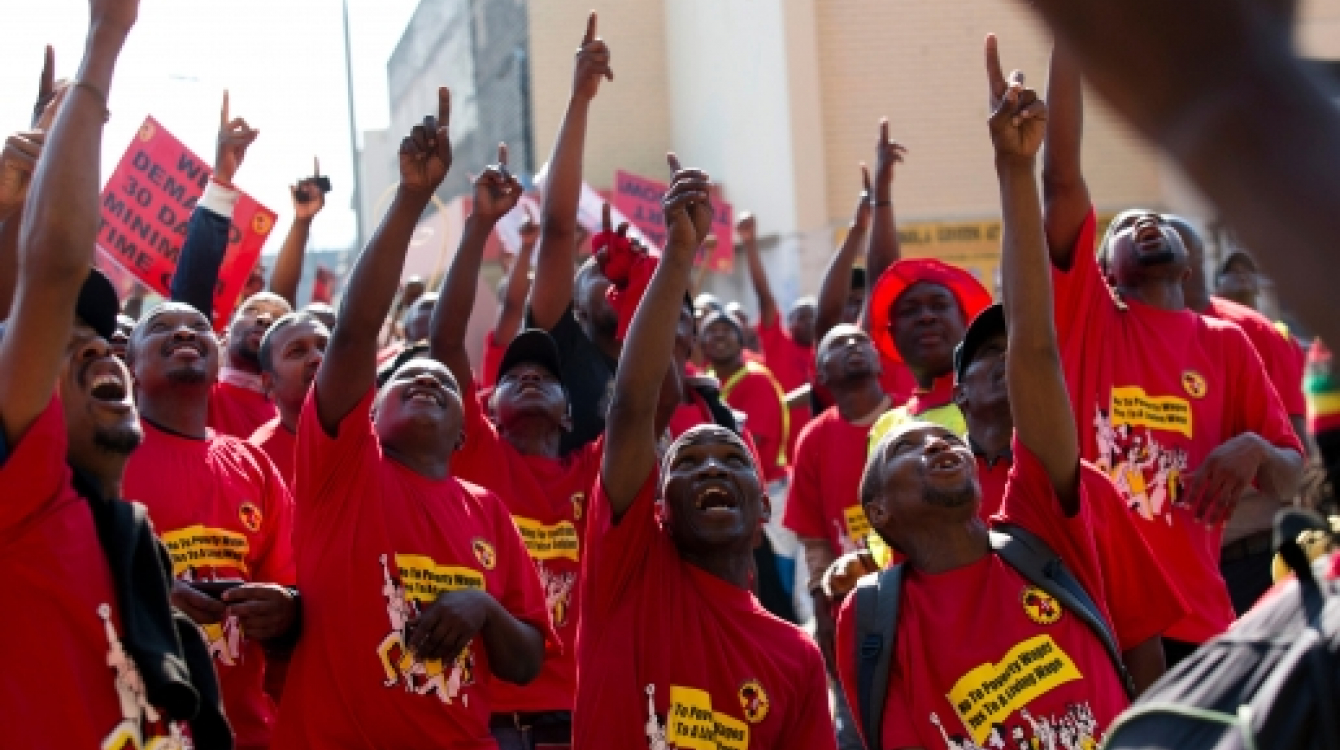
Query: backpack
(876,604)
(1272,681)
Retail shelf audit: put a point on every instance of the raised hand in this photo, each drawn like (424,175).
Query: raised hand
(887,154)
(860,220)
(496,189)
(235,137)
(747,228)
(687,206)
(1018,117)
(530,226)
(308,197)
(17,162)
(593,63)
(425,154)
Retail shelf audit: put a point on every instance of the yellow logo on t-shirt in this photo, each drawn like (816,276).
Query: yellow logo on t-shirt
(484,553)
(754,701)
(693,725)
(250,516)
(989,693)
(1132,406)
(858,526)
(549,542)
(1194,384)
(199,546)
(1040,606)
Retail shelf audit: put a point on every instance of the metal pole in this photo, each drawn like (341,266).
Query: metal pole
(353,138)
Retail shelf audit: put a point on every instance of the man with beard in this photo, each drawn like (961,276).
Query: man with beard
(1174,406)
(238,404)
(788,352)
(544,489)
(750,388)
(574,308)
(93,657)
(674,649)
(290,354)
(1247,547)
(417,588)
(979,651)
(918,308)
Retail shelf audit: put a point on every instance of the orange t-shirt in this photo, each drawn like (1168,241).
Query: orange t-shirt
(548,500)
(1154,392)
(225,515)
(376,544)
(68,682)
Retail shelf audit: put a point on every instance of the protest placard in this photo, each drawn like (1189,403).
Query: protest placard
(146,205)
(639,199)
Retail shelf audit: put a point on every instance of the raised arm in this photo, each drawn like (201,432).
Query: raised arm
(884,249)
(59,227)
(207,232)
(1065,194)
(18,159)
(350,365)
(512,311)
(556,255)
(747,228)
(648,351)
(308,200)
(1039,402)
(496,193)
(836,285)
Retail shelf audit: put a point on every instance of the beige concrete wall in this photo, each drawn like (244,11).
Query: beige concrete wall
(920,63)
(630,119)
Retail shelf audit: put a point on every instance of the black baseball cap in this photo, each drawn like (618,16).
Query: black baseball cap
(533,346)
(987,325)
(98,304)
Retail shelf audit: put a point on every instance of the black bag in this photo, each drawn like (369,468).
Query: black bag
(1270,682)
(877,618)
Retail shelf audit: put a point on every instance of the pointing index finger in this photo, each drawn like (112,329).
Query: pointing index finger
(48,81)
(605,221)
(223,116)
(316,166)
(995,77)
(502,155)
(443,106)
(590,29)
(673,161)
(883,131)
(865,178)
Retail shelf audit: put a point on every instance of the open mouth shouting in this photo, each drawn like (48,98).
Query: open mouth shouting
(717,499)
(425,395)
(186,349)
(108,387)
(946,463)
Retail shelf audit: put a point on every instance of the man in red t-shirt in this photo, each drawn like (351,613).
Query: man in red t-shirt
(417,587)
(983,658)
(290,355)
(220,506)
(787,352)
(520,459)
(83,643)
(1175,407)
(748,387)
(1247,548)
(673,649)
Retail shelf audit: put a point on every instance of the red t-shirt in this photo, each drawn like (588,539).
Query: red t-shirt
(225,514)
(793,366)
(896,380)
(982,655)
(1280,354)
(278,442)
(68,683)
(667,650)
(238,411)
(492,360)
(1141,601)
(689,414)
(548,500)
(824,500)
(754,391)
(1154,392)
(376,544)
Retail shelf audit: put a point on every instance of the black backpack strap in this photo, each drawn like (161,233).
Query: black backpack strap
(877,597)
(1024,551)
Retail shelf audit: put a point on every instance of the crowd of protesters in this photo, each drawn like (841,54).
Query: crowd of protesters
(637,519)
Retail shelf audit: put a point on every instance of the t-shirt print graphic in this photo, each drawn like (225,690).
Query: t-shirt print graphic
(403,605)
(1076,729)
(1148,474)
(557,592)
(694,725)
(141,726)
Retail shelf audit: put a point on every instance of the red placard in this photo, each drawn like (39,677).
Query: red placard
(145,209)
(639,198)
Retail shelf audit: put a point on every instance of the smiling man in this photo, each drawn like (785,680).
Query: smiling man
(674,647)
(221,507)
(418,591)
(981,656)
